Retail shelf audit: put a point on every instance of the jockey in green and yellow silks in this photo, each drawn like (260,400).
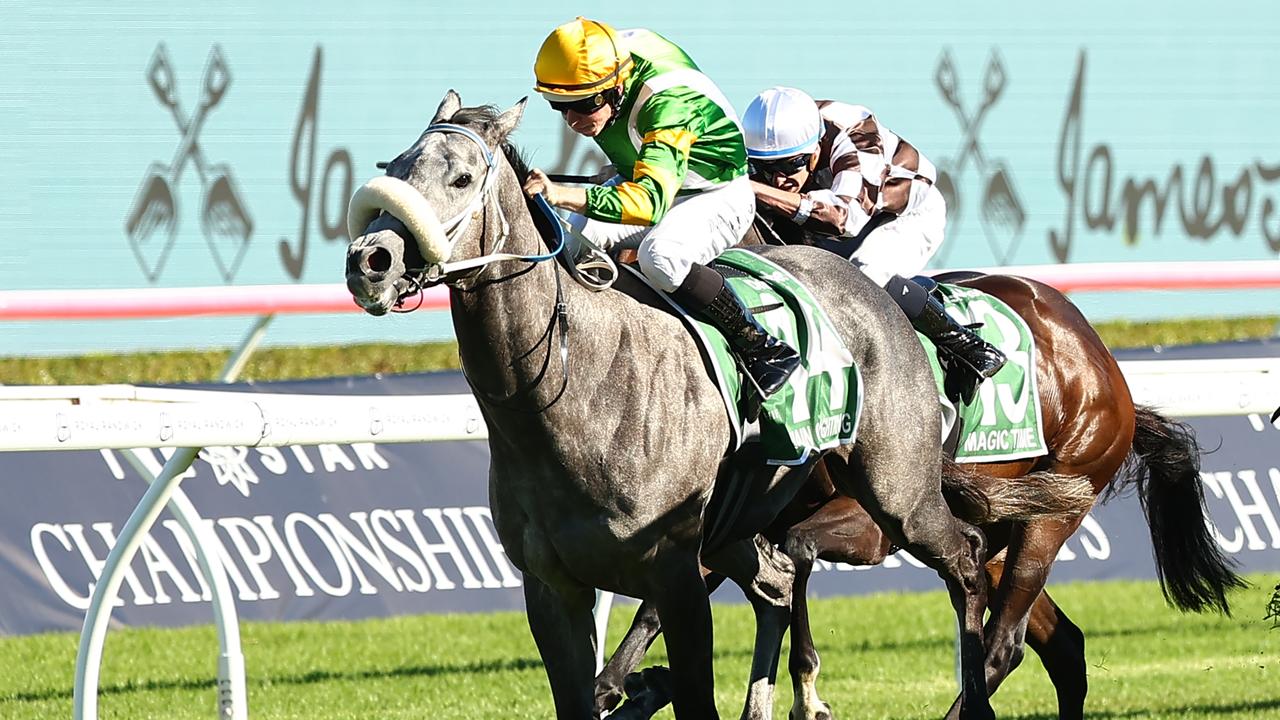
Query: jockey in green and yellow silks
(681,188)
(673,132)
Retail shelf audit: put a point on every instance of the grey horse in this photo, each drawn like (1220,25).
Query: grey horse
(607,436)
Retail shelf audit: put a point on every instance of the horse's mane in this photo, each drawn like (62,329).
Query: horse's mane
(479,116)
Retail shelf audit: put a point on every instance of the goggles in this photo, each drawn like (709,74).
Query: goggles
(586,105)
(758,167)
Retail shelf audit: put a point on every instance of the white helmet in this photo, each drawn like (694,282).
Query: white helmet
(781,122)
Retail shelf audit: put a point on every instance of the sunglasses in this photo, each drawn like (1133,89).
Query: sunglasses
(585,106)
(781,166)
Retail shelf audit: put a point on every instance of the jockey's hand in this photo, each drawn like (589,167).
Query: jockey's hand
(562,196)
(537,182)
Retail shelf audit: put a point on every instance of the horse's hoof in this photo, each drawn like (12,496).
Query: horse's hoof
(822,712)
(633,684)
(984,713)
(630,711)
(650,679)
(648,691)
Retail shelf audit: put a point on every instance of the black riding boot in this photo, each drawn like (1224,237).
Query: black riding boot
(980,358)
(767,360)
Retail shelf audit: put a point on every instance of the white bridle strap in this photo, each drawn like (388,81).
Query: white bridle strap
(459,223)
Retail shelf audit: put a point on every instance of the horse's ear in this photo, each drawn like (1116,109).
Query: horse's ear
(507,121)
(448,106)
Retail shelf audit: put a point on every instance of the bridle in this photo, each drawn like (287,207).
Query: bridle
(462,275)
(443,272)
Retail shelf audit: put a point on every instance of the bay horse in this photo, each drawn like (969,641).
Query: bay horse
(1092,429)
(607,435)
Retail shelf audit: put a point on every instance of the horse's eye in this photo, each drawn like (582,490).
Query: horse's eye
(463,180)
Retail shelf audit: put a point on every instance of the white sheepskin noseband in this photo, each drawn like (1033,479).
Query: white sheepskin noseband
(406,204)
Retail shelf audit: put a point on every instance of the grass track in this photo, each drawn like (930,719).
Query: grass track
(884,656)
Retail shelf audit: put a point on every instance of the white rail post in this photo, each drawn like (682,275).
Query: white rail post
(604,603)
(235,364)
(233,701)
(89,656)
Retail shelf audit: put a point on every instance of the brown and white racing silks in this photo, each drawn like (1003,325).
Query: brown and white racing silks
(864,169)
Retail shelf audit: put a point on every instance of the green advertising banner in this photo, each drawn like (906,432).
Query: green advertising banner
(170,144)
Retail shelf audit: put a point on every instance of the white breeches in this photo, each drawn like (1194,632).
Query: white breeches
(696,229)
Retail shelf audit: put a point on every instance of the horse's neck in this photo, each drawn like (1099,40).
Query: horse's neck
(502,327)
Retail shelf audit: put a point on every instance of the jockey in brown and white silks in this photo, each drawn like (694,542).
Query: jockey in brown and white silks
(835,171)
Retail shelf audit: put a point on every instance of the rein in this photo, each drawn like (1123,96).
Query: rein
(559,319)
(443,272)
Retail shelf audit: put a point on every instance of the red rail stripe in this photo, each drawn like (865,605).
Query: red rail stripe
(130,303)
(120,304)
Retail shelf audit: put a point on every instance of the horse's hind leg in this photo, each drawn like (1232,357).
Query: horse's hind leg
(840,531)
(1033,546)
(804,662)
(564,632)
(1060,645)
(901,489)
(766,576)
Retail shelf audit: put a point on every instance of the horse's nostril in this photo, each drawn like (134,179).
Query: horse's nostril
(380,260)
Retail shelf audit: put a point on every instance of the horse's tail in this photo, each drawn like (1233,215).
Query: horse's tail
(1164,465)
(982,499)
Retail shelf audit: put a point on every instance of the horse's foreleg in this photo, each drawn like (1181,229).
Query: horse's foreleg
(614,678)
(839,531)
(684,608)
(766,575)
(644,629)
(564,632)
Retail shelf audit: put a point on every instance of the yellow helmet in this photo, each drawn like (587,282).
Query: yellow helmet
(580,59)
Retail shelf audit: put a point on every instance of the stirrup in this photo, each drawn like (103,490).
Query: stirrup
(753,402)
(755,398)
(960,379)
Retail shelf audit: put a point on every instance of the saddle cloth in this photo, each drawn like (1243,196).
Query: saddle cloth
(1004,421)
(819,406)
